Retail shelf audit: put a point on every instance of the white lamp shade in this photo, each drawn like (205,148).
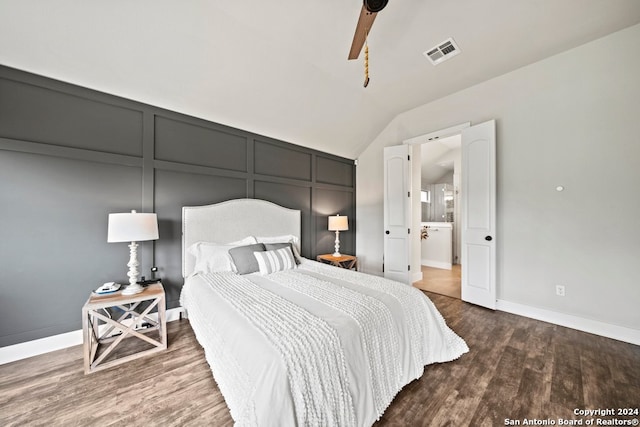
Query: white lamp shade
(338,223)
(132,227)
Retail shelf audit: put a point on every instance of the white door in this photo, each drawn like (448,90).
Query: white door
(479,214)
(397,213)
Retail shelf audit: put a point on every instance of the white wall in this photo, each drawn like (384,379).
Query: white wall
(571,120)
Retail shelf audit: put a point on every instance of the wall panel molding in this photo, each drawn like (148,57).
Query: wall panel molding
(200,145)
(68,153)
(102,153)
(280,161)
(68,120)
(331,171)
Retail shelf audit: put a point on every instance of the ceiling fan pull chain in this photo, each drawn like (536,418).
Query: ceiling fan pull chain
(366,63)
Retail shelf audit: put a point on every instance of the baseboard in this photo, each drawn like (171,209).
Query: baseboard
(616,332)
(436,264)
(27,349)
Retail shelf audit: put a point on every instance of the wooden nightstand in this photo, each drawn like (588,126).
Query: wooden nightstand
(131,310)
(344,261)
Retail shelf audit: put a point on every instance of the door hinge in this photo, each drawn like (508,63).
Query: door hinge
(408,193)
(408,231)
(408,267)
(409,157)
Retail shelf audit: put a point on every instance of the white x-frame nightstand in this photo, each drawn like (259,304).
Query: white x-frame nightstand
(99,341)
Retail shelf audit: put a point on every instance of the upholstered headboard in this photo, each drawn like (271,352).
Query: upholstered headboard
(234,220)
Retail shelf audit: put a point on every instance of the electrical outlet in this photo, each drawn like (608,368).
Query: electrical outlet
(560,290)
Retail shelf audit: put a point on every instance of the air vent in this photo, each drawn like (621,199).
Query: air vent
(443,51)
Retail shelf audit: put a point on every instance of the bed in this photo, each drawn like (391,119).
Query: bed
(297,342)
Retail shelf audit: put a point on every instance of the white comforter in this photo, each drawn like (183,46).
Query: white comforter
(315,346)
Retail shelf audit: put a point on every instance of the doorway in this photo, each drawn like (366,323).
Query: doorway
(440,172)
(477,207)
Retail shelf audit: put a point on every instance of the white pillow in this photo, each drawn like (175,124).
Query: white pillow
(272,261)
(214,257)
(287,238)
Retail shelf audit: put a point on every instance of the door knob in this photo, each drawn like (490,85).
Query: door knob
(488,238)
(386,232)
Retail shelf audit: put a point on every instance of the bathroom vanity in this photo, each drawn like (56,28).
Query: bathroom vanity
(437,249)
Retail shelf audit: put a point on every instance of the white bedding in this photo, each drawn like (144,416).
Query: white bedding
(316,345)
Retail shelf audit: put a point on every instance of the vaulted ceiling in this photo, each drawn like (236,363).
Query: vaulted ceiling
(280,68)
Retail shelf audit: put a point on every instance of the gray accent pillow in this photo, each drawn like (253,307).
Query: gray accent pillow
(276,246)
(243,258)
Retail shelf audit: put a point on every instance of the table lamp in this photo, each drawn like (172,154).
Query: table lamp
(132,227)
(338,223)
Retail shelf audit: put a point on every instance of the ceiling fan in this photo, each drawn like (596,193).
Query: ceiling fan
(370,9)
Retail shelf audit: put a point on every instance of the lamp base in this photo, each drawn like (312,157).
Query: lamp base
(132,289)
(336,254)
(336,248)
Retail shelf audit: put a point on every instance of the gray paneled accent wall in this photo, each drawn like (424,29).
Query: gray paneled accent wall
(69,156)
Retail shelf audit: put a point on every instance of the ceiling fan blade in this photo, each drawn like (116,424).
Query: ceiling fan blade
(365,21)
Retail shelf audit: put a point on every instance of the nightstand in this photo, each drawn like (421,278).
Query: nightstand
(343,261)
(102,348)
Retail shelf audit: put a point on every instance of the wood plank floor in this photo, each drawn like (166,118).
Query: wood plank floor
(441,281)
(517,368)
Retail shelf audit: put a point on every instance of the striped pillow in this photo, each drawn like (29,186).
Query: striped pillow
(277,260)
